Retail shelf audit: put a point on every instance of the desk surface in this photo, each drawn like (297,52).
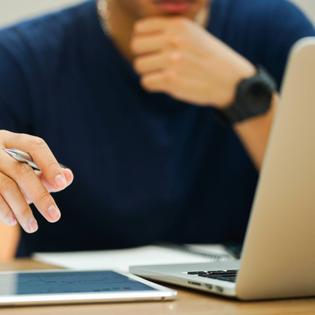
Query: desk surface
(187,303)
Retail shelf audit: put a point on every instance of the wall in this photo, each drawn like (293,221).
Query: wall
(308,6)
(13,10)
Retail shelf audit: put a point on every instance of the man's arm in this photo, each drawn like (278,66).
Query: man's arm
(255,132)
(186,62)
(19,184)
(178,57)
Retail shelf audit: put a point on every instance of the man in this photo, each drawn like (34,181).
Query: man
(145,101)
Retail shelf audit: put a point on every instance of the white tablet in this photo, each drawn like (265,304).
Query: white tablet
(64,287)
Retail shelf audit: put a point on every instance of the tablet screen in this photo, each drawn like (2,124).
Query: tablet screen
(68,282)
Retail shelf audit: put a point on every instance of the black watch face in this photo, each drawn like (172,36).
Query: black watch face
(253,98)
(257,99)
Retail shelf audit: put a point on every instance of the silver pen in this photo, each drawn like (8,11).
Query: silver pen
(24,157)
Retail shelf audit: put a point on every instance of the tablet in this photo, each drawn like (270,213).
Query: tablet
(64,287)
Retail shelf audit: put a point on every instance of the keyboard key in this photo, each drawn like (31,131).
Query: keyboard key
(223,275)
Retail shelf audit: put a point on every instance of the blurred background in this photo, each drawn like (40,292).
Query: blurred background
(14,10)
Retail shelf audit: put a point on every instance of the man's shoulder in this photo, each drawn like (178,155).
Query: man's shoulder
(44,34)
(252,21)
(261,8)
(37,51)
(246,23)
(262,31)
(261,12)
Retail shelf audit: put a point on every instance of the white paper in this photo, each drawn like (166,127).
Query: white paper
(122,259)
(210,249)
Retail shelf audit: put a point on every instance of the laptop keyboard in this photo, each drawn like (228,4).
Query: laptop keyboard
(223,275)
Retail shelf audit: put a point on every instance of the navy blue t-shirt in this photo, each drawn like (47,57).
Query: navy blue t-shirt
(147,168)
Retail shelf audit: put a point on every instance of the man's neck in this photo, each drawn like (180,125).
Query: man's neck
(119,24)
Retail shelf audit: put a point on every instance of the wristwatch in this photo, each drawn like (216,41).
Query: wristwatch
(253,98)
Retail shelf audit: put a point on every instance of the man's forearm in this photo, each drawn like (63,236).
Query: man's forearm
(176,56)
(254,133)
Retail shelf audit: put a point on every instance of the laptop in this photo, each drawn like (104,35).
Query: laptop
(278,256)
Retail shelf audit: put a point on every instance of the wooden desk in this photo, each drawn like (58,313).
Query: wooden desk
(187,303)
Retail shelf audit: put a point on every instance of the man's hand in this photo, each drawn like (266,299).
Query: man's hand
(178,57)
(20,185)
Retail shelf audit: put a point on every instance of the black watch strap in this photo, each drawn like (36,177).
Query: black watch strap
(253,98)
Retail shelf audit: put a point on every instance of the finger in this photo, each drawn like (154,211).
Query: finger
(168,82)
(6,215)
(151,25)
(31,187)
(41,155)
(69,177)
(148,44)
(15,200)
(158,81)
(150,63)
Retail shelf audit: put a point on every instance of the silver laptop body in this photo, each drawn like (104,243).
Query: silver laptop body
(278,257)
